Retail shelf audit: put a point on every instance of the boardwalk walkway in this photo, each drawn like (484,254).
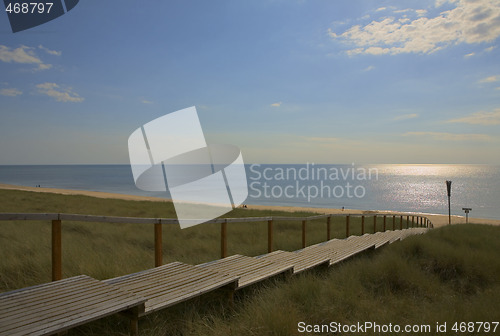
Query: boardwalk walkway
(58,306)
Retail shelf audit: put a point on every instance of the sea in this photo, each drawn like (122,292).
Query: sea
(391,187)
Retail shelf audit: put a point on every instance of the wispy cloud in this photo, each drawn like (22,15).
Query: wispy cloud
(480,118)
(490,79)
(148,102)
(442,136)
(421,12)
(50,52)
(406,116)
(489,49)
(468,22)
(11,92)
(278,104)
(59,94)
(470,55)
(369,68)
(22,55)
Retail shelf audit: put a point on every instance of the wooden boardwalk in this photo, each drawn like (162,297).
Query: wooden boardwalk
(249,270)
(54,307)
(57,306)
(299,262)
(172,283)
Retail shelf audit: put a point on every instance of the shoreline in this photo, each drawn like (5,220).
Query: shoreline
(437,219)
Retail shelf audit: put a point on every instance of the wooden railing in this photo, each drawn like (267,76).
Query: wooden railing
(416,221)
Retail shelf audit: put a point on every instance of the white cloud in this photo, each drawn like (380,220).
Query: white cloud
(278,104)
(50,52)
(421,12)
(43,67)
(59,94)
(406,116)
(480,118)
(381,9)
(468,22)
(490,79)
(403,10)
(442,136)
(11,92)
(489,49)
(469,55)
(369,68)
(23,55)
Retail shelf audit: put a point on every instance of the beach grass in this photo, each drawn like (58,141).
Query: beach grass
(105,250)
(447,275)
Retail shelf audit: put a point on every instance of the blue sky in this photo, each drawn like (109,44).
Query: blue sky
(286,81)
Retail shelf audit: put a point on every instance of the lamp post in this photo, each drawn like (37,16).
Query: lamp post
(448,188)
(467,210)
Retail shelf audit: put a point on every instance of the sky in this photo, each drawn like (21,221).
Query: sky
(287,81)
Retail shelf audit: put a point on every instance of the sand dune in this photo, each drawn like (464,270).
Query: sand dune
(437,219)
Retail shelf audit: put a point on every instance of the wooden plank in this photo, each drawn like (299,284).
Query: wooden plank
(250,270)
(56,250)
(304,233)
(172,283)
(223,239)
(56,296)
(158,245)
(29,216)
(158,285)
(300,263)
(347,226)
(328,229)
(52,310)
(269,236)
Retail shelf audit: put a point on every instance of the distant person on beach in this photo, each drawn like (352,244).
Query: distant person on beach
(342,208)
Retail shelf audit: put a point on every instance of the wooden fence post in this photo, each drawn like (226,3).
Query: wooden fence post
(328,232)
(385,221)
(56,250)
(362,225)
(412,221)
(374,223)
(407,222)
(401,223)
(158,245)
(393,222)
(223,239)
(347,226)
(303,234)
(270,236)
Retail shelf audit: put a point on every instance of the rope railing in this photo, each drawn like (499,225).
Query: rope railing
(57,218)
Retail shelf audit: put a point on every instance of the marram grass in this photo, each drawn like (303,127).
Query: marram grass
(447,275)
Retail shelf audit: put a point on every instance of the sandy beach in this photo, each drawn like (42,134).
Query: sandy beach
(437,219)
